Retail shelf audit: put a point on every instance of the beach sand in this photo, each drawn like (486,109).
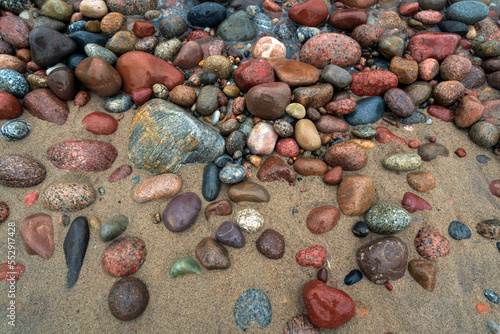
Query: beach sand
(204,303)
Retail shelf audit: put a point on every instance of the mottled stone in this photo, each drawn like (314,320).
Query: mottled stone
(184,266)
(219,208)
(459,231)
(113,228)
(249,220)
(330,48)
(431,244)
(128,298)
(14,31)
(212,255)
(66,197)
(99,76)
(372,83)
(237,28)
(424,273)
(489,229)
(421,181)
(252,308)
(20,171)
(13,83)
(355,194)
(15,129)
(433,45)
(387,219)
(347,155)
(131,7)
(124,256)
(274,169)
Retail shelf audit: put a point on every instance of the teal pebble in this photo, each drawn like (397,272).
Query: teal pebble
(184,266)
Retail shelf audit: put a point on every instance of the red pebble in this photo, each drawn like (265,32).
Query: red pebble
(100,123)
(482,308)
(310,14)
(120,173)
(333,176)
(495,187)
(41,72)
(432,139)
(272,6)
(31,198)
(440,112)
(141,95)
(460,152)
(322,275)
(389,286)
(11,272)
(384,135)
(465,44)
(81,98)
(287,147)
(314,256)
(197,35)
(412,203)
(143,29)
(222,98)
(413,144)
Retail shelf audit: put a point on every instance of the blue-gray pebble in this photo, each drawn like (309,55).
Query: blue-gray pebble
(468,12)
(223,161)
(210,186)
(15,129)
(95,50)
(207,14)
(458,230)
(492,296)
(119,103)
(77,26)
(368,111)
(13,83)
(253,308)
(232,173)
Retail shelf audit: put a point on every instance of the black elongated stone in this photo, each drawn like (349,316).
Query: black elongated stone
(210,187)
(353,277)
(75,247)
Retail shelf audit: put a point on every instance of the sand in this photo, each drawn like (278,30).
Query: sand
(204,303)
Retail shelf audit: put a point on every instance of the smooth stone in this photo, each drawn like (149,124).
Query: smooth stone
(364,131)
(44,21)
(184,266)
(172,25)
(98,76)
(20,171)
(15,129)
(300,324)
(120,173)
(384,135)
(184,139)
(14,31)
(430,244)
(168,49)
(432,4)
(236,141)
(181,212)
(82,38)
(82,155)
(119,103)
(330,48)
(271,244)
(211,183)
(412,203)
(37,234)
(207,102)
(360,229)
(66,197)
(402,162)
(492,296)
(421,181)
(13,83)
(424,273)
(232,173)
(268,47)
(468,112)
(45,105)
(75,246)
(455,67)
(468,12)
(369,110)
(268,100)
(390,254)
(296,110)
(419,92)
(316,96)
(405,69)
(415,118)
(310,166)
(95,9)
(189,55)
(128,298)
(75,59)
(95,50)
(399,102)
(314,256)
(329,124)
(355,194)
(459,231)
(113,228)
(347,19)
(307,135)
(372,83)
(391,46)
(237,28)
(310,14)
(348,155)
(223,160)
(229,234)
(484,134)
(489,229)
(49,46)
(262,139)
(207,14)
(62,83)
(219,208)
(326,306)
(249,220)
(100,123)
(387,219)
(487,49)
(252,308)
(274,169)
(336,76)
(248,191)
(124,256)
(333,176)
(212,255)
(131,7)
(322,219)
(4,211)
(454,27)
(219,65)
(10,108)
(353,277)
(15,6)
(435,45)
(57,9)
(431,151)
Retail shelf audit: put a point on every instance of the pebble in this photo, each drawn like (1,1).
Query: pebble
(184,96)
(489,229)
(294,73)
(223,160)
(491,296)
(262,139)
(271,244)
(484,134)
(323,301)
(329,124)
(391,46)
(249,220)
(248,191)
(95,50)
(459,231)
(119,103)
(268,100)
(368,110)
(75,246)
(322,219)
(189,56)
(128,298)
(402,161)
(433,45)
(387,219)
(68,196)
(364,131)
(172,25)
(314,256)
(14,31)
(62,83)
(330,48)
(120,173)
(399,102)
(15,129)
(229,234)
(45,105)
(448,92)
(287,147)
(360,229)
(113,228)
(487,49)
(366,35)
(310,166)
(468,12)
(19,171)
(468,112)
(348,155)
(236,141)
(100,123)
(14,83)
(212,255)
(430,244)
(424,273)
(412,203)
(184,266)
(237,28)
(211,183)
(4,212)
(300,324)
(405,69)
(428,69)
(495,187)
(124,256)
(252,308)
(48,46)
(431,151)
(98,76)
(219,208)
(158,187)
(333,176)
(391,256)
(483,159)
(37,234)
(274,169)
(232,173)
(353,277)
(421,181)
(207,15)
(10,107)
(355,194)
(181,212)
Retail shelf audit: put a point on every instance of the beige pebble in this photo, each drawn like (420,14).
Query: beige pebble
(296,110)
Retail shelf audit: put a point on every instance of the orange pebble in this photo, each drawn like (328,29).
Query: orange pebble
(413,144)
(482,308)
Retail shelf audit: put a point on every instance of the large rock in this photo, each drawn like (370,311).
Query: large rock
(433,45)
(329,48)
(163,138)
(49,46)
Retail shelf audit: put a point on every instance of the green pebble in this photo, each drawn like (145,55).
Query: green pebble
(184,266)
(402,162)
(387,219)
(58,10)
(364,131)
(112,228)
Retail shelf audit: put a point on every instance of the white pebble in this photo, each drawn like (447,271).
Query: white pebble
(429,121)
(249,220)
(215,117)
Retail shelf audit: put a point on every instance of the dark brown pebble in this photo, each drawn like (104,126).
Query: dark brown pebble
(128,298)
(271,244)
(4,212)
(212,255)
(19,171)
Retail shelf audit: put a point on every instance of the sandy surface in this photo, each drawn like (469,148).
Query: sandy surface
(204,303)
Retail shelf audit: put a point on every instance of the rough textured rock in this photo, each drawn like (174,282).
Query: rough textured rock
(45,105)
(68,197)
(37,234)
(330,48)
(20,171)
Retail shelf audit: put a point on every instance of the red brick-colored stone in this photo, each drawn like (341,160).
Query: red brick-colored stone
(373,83)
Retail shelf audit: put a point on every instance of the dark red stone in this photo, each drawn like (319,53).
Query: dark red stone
(45,105)
(333,176)
(408,8)
(384,135)
(100,123)
(10,107)
(348,19)
(314,256)
(124,256)
(128,298)
(460,152)
(271,244)
(81,98)
(14,31)
(120,173)
(341,107)
(327,307)
(399,102)
(322,275)
(11,271)
(143,29)
(412,203)
(4,212)
(141,95)
(310,13)
(373,83)
(440,112)
(433,45)
(274,169)
(219,208)
(253,73)
(322,219)
(287,147)
(495,187)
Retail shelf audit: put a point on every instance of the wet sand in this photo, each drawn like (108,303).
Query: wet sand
(204,303)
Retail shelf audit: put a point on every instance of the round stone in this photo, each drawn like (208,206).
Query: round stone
(387,219)
(249,220)
(458,230)
(124,256)
(271,244)
(128,298)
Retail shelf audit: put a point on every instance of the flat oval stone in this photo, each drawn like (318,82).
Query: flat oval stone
(402,162)
(232,173)
(355,194)
(310,166)
(348,19)
(274,169)
(37,234)
(119,103)
(459,231)
(294,73)
(399,102)
(229,234)
(262,139)
(98,76)
(330,48)
(322,219)
(113,228)
(421,181)
(484,134)
(181,212)
(248,191)
(372,83)
(212,255)
(75,247)
(67,197)
(336,76)
(19,171)
(364,131)
(211,183)
(100,123)
(412,203)
(14,30)
(45,105)
(348,155)
(128,298)
(314,256)
(162,186)
(489,229)
(387,219)
(252,308)
(95,50)
(219,208)
(353,277)
(431,151)
(435,45)
(124,256)
(184,266)
(431,244)
(424,273)
(468,12)
(82,155)
(15,129)
(383,260)
(307,135)
(10,107)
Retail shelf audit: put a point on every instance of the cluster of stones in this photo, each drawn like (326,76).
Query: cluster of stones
(211,100)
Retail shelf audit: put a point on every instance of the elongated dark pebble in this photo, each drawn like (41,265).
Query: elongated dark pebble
(353,277)
(75,247)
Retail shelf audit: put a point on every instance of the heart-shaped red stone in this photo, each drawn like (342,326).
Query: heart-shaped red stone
(327,307)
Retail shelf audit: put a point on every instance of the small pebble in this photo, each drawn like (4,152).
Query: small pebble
(322,275)
(360,229)
(249,220)
(483,159)
(353,277)
(491,296)
(458,230)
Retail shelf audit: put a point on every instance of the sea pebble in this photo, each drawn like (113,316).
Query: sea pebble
(314,256)
(37,234)
(322,219)
(489,229)
(271,244)
(100,123)
(402,162)
(468,12)
(430,244)
(252,308)
(45,105)
(229,234)
(421,181)
(118,103)
(387,219)
(67,197)
(431,151)
(212,255)
(330,48)
(11,272)
(492,296)
(364,131)
(20,171)
(13,83)
(424,273)
(372,83)
(355,194)
(484,134)
(211,183)
(128,298)
(248,191)
(333,176)
(310,166)
(459,231)
(219,208)
(249,220)
(113,228)
(48,46)
(181,212)
(412,203)
(75,247)
(124,256)
(435,45)
(232,173)
(4,211)
(368,110)
(184,266)
(10,107)
(120,173)
(15,129)
(294,73)
(347,155)
(158,187)
(262,139)
(495,187)
(360,229)
(274,169)
(353,277)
